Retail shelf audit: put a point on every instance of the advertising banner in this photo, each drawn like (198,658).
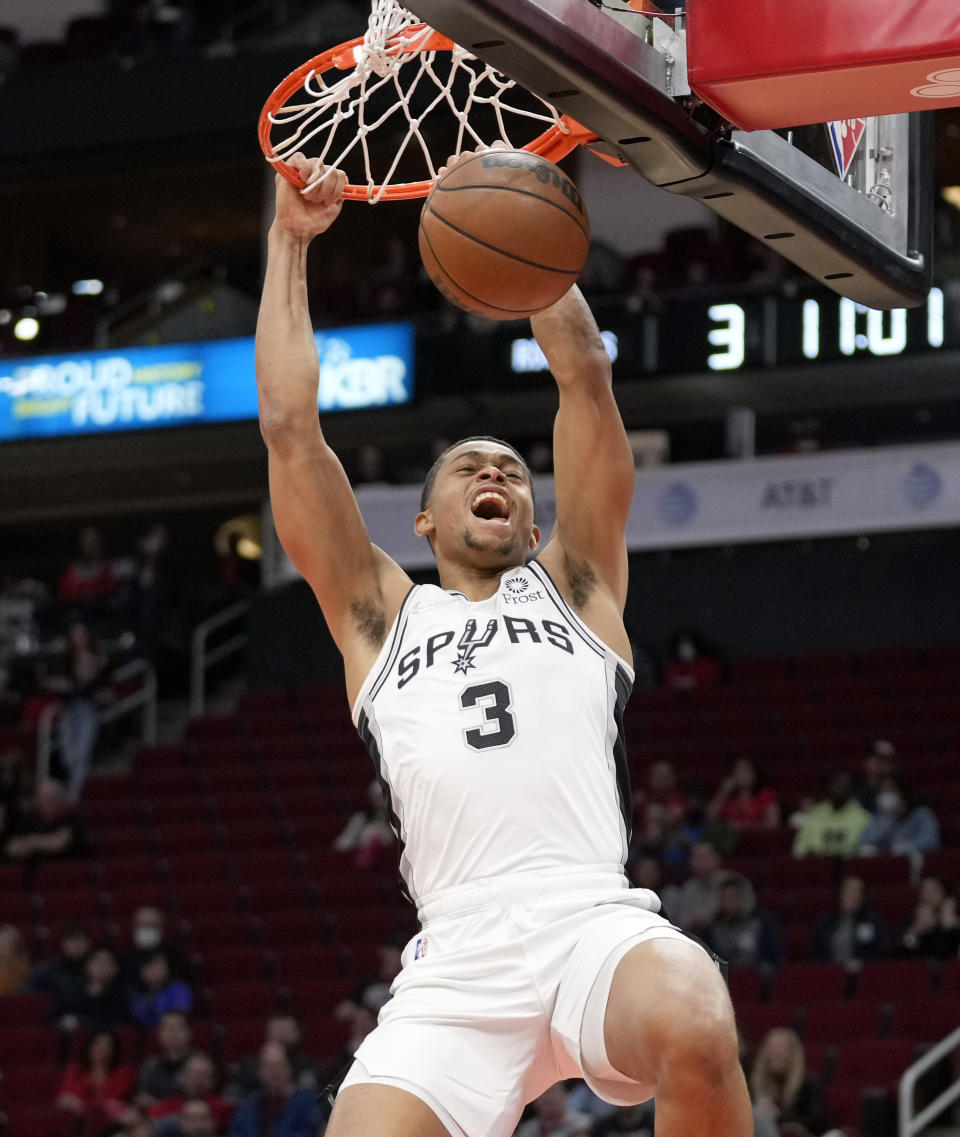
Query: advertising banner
(178,384)
(724,503)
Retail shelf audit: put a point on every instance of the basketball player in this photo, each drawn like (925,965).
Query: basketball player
(492,709)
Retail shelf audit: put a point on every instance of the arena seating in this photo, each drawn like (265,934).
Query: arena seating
(230,832)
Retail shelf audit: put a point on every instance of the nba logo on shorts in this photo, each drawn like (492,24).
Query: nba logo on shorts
(421,949)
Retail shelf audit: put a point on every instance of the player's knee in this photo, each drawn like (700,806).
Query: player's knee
(700,1036)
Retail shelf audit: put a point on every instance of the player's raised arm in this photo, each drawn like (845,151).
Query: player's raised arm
(592,460)
(317,518)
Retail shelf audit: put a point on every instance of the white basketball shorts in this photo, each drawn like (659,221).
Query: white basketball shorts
(502,994)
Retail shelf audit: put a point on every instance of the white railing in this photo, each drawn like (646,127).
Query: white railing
(144,698)
(202,657)
(911,1123)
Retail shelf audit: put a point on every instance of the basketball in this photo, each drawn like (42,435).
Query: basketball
(504,234)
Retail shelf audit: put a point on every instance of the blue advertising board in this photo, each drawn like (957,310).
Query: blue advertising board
(177,384)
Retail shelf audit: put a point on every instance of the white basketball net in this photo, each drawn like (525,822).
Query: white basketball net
(377,66)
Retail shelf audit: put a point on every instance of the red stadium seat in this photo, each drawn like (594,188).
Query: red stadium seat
(793,873)
(230,1001)
(300,964)
(207,897)
(211,867)
(112,844)
(828,1023)
(256,865)
(801,983)
(82,903)
(894,979)
(243,1038)
(312,997)
(233,965)
(746,985)
(875,1063)
(38,1121)
(27,1046)
(301,929)
(209,931)
(878,872)
(758,1019)
(130,872)
(23,1010)
(324,1035)
(845,1106)
(926,1019)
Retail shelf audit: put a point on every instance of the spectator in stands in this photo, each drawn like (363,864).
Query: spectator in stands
(696,825)
(284,1029)
(197,1119)
(97,1087)
(581,1099)
(693,904)
(159,1074)
(63,975)
(900,824)
(12,763)
(554,1117)
(934,928)
(741,933)
(277,1108)
(745,800)
(101,1002)
(197,1082)
(880,762)
(88,583)
(159,991)
(628,1121)
(50,828)
(80,685)
(690,666)
(852,932)
(368,831)
(833,826)
(14,960)
(786,1096)
(646,872)
(658,807)
(148,934)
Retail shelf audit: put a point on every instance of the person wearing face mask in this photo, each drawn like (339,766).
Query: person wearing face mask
(899,823)
(148,933)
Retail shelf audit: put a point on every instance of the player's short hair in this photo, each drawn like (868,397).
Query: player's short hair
(435,468)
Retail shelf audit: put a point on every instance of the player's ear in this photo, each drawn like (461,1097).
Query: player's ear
(534,537)
(423,525)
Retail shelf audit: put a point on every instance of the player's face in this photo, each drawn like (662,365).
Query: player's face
(481,507)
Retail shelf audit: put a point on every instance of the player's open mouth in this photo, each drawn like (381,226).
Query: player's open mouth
(491,505)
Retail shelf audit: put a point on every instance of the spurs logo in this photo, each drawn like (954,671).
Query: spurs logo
(468,644)
(940,85)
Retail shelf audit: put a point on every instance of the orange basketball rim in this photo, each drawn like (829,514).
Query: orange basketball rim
(328,94)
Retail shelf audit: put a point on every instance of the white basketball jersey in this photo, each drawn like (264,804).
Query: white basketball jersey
(496,731)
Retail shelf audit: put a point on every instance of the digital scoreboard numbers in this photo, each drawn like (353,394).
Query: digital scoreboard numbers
(779,330)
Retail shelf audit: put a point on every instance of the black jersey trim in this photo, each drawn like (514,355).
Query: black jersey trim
(623,688)
(399,627)
(564,608)
(373,749)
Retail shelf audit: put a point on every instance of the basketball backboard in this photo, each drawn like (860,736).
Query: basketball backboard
(622,74)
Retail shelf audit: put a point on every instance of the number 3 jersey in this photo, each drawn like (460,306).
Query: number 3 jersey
(496,728)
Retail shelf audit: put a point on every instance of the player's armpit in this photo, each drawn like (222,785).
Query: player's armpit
(592,460)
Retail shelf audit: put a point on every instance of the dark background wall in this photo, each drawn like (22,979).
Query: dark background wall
(851,595)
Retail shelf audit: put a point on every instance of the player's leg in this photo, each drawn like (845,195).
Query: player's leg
(387,1111)
(668,1023)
